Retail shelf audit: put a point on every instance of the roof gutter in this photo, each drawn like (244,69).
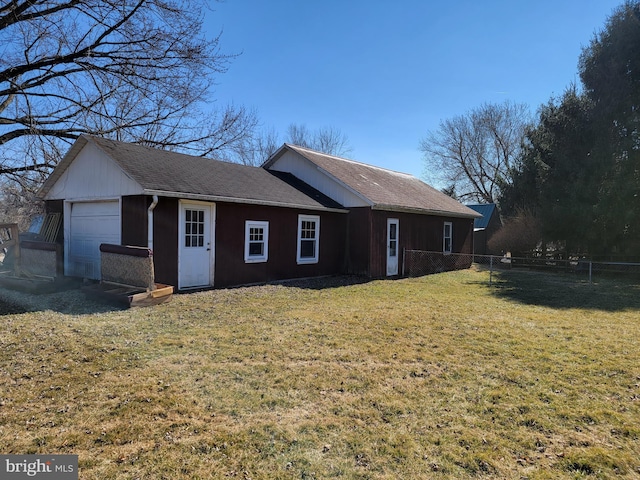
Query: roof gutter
(440,213)
(246,201)
(150,222)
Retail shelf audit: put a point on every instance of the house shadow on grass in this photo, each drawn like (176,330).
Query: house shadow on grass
(566,291)
(321,283)
(10,308)
(69,301)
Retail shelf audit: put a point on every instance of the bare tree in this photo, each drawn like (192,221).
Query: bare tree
(326,139)
(299,134)
(333,141)
(254,149)
(136,70)
(472,153)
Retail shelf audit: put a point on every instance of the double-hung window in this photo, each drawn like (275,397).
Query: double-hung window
(447,238)
(256,241)
(308,238)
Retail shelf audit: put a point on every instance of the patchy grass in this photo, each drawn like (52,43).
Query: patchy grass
(438,377)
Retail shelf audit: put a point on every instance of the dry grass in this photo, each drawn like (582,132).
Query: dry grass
(438,377)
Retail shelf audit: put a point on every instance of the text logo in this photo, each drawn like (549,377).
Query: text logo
(49,467)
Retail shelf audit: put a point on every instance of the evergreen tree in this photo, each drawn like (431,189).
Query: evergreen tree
(579,172)
(610,71)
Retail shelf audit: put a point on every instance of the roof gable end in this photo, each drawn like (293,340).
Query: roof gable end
(88,172)
(384,189)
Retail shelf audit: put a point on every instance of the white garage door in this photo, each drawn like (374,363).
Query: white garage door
(92,223)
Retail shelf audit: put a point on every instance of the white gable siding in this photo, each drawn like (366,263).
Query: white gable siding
(306,171)
(91,176)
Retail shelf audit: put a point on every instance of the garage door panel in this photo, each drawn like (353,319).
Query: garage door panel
(92,223)
(93,209)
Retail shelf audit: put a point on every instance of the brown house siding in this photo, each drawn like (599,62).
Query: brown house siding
(359,241)
(165,240)
(353,243)
(230,267)
(165,232)
(134,220)
(416,232)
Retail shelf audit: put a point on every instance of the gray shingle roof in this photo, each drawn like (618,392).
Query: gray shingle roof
(384,188)
(175,174)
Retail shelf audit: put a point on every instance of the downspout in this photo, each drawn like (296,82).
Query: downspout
(150,222)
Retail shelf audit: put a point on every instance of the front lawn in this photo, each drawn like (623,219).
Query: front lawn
(442,376)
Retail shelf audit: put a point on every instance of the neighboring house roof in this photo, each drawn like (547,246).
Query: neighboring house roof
(383,189)
(171,174)
(486,210)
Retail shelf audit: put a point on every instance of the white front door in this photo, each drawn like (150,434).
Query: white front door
(392,246)
(195,264)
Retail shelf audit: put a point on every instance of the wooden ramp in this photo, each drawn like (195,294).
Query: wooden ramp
(129,296)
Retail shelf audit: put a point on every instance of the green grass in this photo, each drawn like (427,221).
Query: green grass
(443,376)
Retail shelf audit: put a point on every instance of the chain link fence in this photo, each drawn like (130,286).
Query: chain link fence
(418,263)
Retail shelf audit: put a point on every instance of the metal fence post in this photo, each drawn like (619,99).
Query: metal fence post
(490,269)
(590,269)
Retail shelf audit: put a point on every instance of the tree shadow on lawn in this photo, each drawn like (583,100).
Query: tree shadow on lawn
(566,291)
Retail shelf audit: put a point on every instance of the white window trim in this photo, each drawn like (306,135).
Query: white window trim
(444,238)
(308,218)
(248,225)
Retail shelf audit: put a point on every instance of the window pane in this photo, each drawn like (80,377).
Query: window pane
(307,248)
(393,248)
(194,228)
(308,229)
(256,234)
(256,249)
(308,236)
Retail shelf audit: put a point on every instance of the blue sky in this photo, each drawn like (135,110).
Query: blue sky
(386,73)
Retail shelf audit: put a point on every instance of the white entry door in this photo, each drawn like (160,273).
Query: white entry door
(195,242)
(392,246)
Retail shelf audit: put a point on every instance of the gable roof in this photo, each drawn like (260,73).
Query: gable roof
(383,189)
(484,209)
(172,174)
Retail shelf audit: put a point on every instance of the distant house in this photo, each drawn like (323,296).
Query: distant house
(484,227)
(219,224)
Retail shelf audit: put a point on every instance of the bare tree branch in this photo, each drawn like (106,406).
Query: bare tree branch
(136,70)
(472,153)
(326,139)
